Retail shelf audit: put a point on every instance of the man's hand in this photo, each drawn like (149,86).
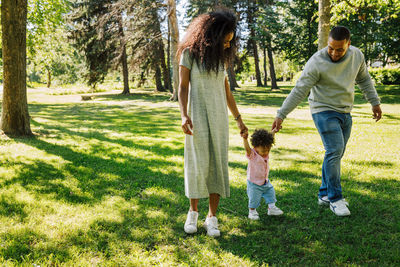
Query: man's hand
(377,112)
(276,125)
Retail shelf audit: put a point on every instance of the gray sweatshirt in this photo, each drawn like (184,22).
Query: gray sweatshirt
(331,83)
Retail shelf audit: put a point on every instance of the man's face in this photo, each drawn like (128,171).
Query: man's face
(337,49)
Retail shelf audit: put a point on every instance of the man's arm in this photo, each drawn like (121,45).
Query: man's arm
(364,82)
(307,80)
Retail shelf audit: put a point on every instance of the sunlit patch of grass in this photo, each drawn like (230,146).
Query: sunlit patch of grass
(101,183)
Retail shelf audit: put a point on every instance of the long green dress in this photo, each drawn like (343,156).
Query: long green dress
(206,152)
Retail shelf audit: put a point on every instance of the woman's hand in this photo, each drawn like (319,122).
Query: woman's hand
(187,125)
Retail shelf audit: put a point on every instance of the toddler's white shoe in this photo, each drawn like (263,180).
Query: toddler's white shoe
(211,225)
(191,222)
(275,211)
(340,207)
(323,201)
(253,215)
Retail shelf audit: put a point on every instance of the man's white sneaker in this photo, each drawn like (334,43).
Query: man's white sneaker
(275,211)
(211,225)
(253,215)
(191,222)
(340,207)
(323,201)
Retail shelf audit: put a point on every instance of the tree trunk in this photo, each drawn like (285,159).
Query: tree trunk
(231,77)
(274,84)
(170,87)
(254,43)
(124,59)
(159,86)
(165,70)
(48,78)
(173,23)
(15,118)
(324,11)
(265,66)
(125,72)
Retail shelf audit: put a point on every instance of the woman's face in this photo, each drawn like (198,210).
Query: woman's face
(227,40)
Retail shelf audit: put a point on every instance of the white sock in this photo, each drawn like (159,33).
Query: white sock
(271,205)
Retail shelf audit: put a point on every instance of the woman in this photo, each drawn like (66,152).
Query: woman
(209,45)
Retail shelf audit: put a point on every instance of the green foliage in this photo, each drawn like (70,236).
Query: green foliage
(385,75)
(298,38)
(374,25)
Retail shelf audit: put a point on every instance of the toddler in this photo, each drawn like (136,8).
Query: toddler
(258,185)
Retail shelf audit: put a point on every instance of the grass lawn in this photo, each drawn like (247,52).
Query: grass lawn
(102,184)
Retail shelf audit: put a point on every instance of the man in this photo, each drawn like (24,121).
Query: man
(330,74)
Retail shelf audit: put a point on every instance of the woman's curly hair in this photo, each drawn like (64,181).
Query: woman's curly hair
(262,137)
(205,39)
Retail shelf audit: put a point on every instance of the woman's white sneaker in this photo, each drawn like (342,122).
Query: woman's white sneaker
(191,222)
(211,225)
(340,207)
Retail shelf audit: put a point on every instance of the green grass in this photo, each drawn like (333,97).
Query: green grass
(102,184)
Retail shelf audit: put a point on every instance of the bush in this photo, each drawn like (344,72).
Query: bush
(385,75)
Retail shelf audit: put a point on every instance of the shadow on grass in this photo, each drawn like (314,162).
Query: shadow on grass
(305,235)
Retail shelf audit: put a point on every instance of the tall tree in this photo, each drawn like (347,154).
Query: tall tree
(15,118)
(324,11)
(251,12)
(267,27)
(299,34)
(173,25)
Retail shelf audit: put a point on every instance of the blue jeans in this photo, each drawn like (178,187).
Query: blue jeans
(334,129)
(256,192)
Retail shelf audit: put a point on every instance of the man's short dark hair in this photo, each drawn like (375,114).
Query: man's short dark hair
(340,33)
(262,137)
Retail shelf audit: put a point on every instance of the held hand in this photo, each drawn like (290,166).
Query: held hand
(187,125)
(244,132)
(276,125)
(377,112)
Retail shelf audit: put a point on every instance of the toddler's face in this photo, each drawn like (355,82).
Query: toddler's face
(263,151)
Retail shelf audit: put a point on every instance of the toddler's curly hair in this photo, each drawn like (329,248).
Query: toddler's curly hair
(262,137)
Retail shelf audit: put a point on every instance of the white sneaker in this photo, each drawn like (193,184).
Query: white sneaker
(253,215)
(211,225)
(191,222)
(340,207)
(323,201)
(275,211)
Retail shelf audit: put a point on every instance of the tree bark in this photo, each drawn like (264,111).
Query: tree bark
(265,67)
(231,77)
(324,11)
(124,59)
(48,78)
(170,87)
(125,72)
(173,23)
(253,42)
(159,86)
(15,118)
(274,84)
